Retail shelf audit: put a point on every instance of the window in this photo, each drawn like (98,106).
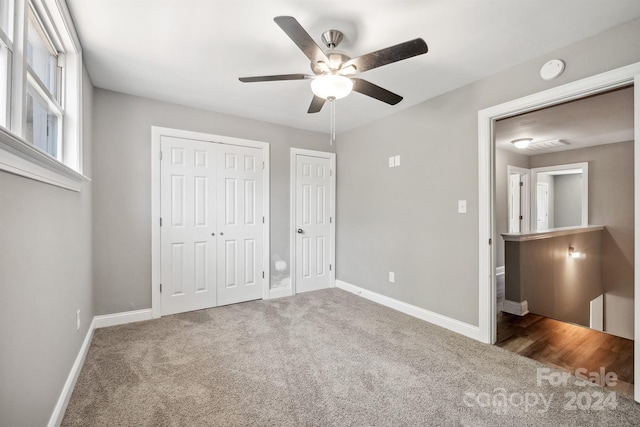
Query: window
(40,92)
(6,49)
(43,113)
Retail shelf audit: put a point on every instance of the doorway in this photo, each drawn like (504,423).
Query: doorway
(572,91)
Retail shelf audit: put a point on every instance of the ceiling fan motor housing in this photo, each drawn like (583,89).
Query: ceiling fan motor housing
(336,59)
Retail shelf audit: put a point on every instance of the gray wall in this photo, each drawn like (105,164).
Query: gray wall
(567,200)
(45,248)
(610,204)
(408,223)
(122,173)
(554,284)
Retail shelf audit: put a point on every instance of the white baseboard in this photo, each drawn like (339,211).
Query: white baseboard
(426,315)
(115,319)
(280,292)
(97,322)
(517,308)
(67,389)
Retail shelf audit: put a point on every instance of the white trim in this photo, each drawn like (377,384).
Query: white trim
(106,320)
(70,383)
(97,322)
(636,260)
(619,77)
(514,307)
(156,134)
(422,314)
(292,215)
(20,158)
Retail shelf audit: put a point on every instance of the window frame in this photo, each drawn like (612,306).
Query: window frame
(6,41)
(17,155)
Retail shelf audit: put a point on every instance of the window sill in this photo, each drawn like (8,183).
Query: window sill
(20,158)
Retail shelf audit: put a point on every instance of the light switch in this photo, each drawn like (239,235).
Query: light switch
(397,159)
(392,277)
(392,162)
(462,206)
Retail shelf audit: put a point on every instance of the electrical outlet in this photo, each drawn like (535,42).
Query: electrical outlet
(462,206)
(392,277)
(397,160)
(78,320)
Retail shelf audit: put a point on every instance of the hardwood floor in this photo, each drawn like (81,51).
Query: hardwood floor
(568,347)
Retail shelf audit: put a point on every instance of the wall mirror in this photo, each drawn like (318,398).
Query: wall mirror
(559,196)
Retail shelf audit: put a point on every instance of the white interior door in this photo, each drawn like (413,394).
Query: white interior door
(240,224)
(542,206)
(188,212)
(312,223)
(212,239)
(514,203)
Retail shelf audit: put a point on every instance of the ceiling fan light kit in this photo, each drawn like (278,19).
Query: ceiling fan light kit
(331,86)
(331,69)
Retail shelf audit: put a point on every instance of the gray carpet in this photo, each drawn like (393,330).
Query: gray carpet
(325,358)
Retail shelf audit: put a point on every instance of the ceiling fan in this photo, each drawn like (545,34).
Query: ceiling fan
(333,69)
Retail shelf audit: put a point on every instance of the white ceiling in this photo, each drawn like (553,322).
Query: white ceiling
(192,52)
(602,119)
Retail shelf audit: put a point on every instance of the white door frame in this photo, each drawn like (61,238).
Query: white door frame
(156,134)
(623,76)
(292,216)
(525,203)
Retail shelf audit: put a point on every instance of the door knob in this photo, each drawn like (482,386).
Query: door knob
(213,234)
(300,231)
(221,233)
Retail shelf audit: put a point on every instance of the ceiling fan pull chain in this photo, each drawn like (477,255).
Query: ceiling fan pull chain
(332,102)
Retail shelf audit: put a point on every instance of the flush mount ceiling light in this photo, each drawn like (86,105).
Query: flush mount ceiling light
(522,143)
(331,86)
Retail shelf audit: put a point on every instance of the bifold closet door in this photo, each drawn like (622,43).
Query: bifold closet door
(187,233)
(240,224)
(212,224)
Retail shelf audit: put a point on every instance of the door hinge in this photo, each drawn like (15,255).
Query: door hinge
(330,267)
(262,165)
(161,155)
(160,287)
(330,220)
(263,220)
(263,274)
(521,218)
(160,222)
(521,184)
(330,172)
(489,242)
